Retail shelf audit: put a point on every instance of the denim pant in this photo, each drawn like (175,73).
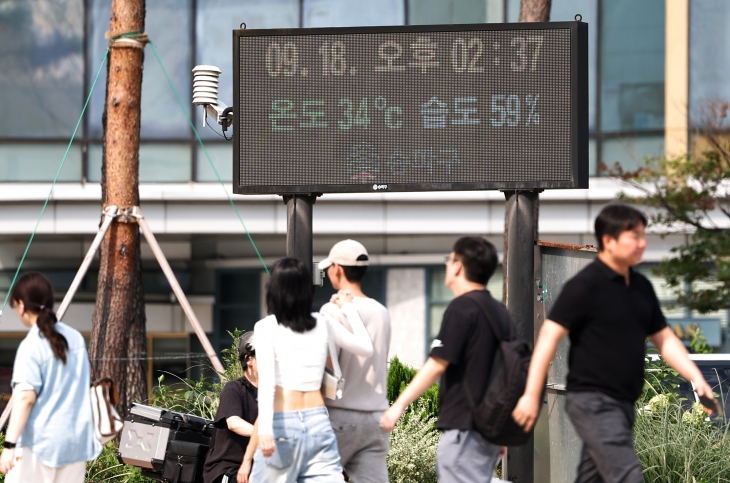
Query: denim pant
(306,450)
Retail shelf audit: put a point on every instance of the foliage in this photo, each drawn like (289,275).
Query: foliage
(200,397)
(678,445)
(674,440)
(692,194)
(399,376)
(413,446)
(2,440)
(107,469)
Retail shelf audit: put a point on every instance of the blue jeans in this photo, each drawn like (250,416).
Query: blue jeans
(306,450)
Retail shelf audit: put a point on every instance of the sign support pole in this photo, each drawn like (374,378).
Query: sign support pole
(299,227)
(519,463)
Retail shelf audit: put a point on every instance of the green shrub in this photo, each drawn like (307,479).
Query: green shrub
(399,376)
(413,446)
(676,443)
(107,469)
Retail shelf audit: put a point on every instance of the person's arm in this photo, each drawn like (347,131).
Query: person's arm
(426,377)
(358,341)
(528,407)
(245,470)
(239,426)
(675,354)
(22,404)
(267,387)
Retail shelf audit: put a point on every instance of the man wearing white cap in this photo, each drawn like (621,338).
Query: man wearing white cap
(362,443)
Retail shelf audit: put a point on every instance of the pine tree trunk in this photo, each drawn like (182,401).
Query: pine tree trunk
(118,340)
(530,11)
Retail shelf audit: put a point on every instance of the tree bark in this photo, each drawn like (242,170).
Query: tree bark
(535,10)
(118,341)
(530,11)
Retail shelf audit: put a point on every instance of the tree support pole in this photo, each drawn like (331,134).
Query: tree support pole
(520,281)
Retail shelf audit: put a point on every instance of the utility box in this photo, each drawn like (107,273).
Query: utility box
(557,446)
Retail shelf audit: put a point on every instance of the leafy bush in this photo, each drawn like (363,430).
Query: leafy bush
(674,440)
(399,376)
(413,446)
(107,469)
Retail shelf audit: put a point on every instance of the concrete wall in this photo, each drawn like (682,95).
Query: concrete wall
(406,302)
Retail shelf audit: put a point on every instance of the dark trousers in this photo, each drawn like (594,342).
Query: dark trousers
(606,427)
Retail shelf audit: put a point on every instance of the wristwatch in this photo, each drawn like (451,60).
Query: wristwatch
(8,445)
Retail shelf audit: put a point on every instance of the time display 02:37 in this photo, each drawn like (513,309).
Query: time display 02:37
(403,108)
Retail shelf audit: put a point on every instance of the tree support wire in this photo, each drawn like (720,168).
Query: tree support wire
(133,214)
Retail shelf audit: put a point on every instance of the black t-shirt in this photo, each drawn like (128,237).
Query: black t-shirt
(238,398)
(466,340)
(608,323)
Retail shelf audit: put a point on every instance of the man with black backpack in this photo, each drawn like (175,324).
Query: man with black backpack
(462,356)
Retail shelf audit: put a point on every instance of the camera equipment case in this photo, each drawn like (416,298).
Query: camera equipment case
(166,445)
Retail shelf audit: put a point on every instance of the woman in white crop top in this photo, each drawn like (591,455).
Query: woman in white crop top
(295,437)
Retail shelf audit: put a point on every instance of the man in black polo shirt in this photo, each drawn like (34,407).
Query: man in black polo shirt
(461,354)
(608,310)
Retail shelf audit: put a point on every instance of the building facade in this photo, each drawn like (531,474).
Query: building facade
(653,66)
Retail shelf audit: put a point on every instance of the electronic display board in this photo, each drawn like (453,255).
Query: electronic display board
(411,108)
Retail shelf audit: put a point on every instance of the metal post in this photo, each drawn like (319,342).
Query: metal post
(299,226)
(178,291)
(519,467)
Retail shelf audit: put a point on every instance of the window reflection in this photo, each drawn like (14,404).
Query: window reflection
(162,117)
(215,21)
(709,56)
(425,12)
(632,65)
(39,162)
(41,67)
(345,13)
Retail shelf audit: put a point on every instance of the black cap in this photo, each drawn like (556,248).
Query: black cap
(245,345)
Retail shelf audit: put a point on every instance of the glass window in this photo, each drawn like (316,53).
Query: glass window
(39,162)
(629,152)
(170,357)
(345,13)
(237,304)
(709,56)
(632,65)
(222,157)
(41,67)
(373,285)
(158,163)
(565,11)
(215,21)
(162,117)
(425,12)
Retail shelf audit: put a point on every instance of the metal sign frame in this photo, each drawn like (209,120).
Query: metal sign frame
(578,114)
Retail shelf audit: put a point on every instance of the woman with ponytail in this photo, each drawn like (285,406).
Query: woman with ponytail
(50,435)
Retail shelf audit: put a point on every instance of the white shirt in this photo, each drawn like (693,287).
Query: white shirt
(365,376)
(293,360)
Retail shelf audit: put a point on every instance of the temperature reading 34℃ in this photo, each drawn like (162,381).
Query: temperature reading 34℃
(411,108)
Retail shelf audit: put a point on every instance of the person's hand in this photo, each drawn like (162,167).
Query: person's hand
(390,417)
(341,298)
(244,471)
(7,460)
(704,389)
(267,445)
(526,412)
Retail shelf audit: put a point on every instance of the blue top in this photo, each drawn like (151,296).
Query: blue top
(60,427)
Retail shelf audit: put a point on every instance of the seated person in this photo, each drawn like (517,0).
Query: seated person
(234,420)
